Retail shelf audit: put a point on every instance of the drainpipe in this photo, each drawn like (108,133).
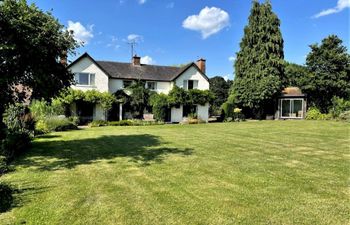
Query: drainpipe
(120,111)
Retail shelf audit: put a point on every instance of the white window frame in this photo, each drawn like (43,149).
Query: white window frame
(290,108)
(77,77)
(195,84)
(155,85)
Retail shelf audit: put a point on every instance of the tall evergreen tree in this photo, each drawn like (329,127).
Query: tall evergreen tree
(259,66)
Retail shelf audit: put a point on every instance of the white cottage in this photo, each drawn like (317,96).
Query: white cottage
(106,76)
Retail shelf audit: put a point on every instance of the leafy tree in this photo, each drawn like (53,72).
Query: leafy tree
(330,66)
(139,97)
(259,66)
(32,42)
(160,106)
(296,76)
(220,88)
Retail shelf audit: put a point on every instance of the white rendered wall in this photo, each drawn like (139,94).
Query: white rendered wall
(85,65)
(176,115)
(203,112)
(115,85)
(193,74)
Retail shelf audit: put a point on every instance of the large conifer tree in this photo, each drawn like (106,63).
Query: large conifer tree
(259,66)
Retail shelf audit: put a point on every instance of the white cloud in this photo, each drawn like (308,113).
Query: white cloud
(170,5)
(341,5)
(134,38)
(209,21)
(141,2)
(231,58)
(81,33)
(226,77)
(147,60)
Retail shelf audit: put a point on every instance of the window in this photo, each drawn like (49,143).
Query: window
(190,84)
(291,108)
(151,85)
(85,79)
(127,83)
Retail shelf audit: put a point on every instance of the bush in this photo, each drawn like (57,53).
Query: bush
(3,165)
(98,123)
(160,106)
(55,123)
(315,114)
(339,105)
(345,116)
(121,123)
(14,144)
(42,109)
(6,198)
(74,120)
(18,119)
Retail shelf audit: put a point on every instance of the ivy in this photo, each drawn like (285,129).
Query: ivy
(105,99)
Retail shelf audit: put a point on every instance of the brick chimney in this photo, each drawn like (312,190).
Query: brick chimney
(136,60)
(63,58)
(201,64)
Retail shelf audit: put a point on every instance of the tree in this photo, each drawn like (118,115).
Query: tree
(259,67)
(139,97)
(32,45)
(330,66)
(296,76)
(220,88)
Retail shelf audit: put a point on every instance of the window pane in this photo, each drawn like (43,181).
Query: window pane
(84,78)
(127,83)
(76,78)
(297,110)
(151,85)
(190,85)
(285,108)
(92,79)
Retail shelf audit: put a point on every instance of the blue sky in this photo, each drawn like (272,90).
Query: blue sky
(172,32)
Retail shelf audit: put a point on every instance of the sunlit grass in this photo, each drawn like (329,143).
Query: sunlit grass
(269,172)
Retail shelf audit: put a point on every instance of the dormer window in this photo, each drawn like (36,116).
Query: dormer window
(87,79)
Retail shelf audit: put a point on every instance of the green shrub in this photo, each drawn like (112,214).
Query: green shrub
(42,109)
(160,106)
(74,120)
(125,123)
(339,105)
(3,165)
(14,144)
(6,198)
(55,123)
(98,123)
(315,114)
(345,116)
(18,119)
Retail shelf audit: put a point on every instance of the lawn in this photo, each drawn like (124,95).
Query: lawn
(267,172)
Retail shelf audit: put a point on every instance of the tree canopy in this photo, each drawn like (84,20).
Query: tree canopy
(32,43)
(220,88)
(330,66)
(259,67)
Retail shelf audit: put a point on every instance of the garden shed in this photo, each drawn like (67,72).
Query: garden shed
(291,104)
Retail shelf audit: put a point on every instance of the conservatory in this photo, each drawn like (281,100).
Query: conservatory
(291,104)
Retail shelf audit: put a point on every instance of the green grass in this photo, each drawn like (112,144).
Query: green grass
(268,172)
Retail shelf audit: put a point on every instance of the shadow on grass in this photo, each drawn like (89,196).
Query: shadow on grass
(50,154)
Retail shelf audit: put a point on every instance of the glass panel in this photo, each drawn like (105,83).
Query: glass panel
(127,83)
(92,79)
(190,85)
(297,110)
(84,78)
(285,108)
(151,85)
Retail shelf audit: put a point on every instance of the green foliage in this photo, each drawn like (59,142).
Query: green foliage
(330,66)
(220,89)
(3,165)
(259,66)
(345,116)
(42,108)
(199,97)
(177,96)
(54,123)
(314,113)
(121,123)
(6,198)
(139,97)
(98,123)
(160,106)
(339,105)
(70,95)
(296,76)
(15,144)
(18,119)
(31,43)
